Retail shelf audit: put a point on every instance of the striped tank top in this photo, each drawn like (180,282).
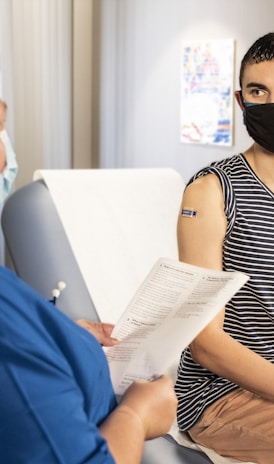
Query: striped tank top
(249,317)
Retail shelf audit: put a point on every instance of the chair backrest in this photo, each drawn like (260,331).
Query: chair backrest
(39,249)
(103,227)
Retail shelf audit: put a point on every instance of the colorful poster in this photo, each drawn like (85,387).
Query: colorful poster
(207,91)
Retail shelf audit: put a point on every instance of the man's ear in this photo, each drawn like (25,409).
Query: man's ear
(238,96)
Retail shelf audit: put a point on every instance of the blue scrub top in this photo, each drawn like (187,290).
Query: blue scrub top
(55,387)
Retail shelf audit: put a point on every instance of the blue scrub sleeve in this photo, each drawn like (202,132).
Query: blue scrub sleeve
(55,388)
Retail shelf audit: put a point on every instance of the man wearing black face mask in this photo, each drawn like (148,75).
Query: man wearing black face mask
(225,383)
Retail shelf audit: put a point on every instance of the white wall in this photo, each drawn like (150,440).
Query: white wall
(46,51)
(140,76)
(42,84)
(136,64)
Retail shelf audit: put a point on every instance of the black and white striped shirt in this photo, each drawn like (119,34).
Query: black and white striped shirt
(249,316)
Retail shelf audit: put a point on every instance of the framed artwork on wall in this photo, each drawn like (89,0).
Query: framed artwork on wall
(207,75)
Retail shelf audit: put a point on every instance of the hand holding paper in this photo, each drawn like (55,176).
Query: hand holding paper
(174,303)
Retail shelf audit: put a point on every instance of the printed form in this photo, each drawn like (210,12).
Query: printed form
(173,304)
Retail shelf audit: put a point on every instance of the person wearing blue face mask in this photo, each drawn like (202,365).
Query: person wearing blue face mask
(8,163)
(225,382)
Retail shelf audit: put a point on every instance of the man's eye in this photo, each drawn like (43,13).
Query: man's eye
(257,92)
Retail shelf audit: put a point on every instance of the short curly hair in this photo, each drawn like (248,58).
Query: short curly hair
(261,50)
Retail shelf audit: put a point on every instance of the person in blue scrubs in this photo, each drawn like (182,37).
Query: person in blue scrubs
(57,403)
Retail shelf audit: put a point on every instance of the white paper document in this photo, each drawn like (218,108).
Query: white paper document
(173,304)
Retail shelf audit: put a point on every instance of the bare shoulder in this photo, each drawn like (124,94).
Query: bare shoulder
(208,181)
(206,187)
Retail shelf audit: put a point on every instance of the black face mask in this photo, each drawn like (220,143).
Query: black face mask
(259,121)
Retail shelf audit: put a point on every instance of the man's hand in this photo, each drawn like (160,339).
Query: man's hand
(100,330)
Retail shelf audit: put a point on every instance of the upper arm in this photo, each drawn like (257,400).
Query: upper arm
(200,238)
(56,422)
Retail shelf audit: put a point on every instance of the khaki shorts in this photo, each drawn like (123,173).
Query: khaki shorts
(240,425)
